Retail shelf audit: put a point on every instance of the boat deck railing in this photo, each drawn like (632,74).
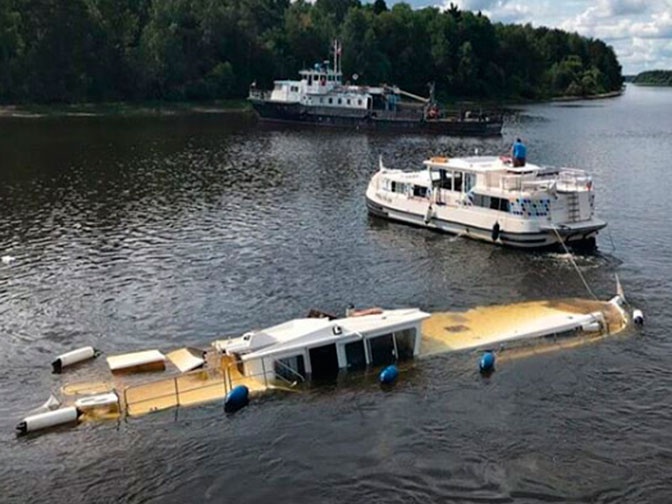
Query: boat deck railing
(201,385)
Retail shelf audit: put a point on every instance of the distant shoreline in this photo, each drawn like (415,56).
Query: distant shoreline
(601,96)
(123,109)
(160,109)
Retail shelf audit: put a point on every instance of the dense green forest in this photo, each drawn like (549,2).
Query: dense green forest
(63,51)
(654,78)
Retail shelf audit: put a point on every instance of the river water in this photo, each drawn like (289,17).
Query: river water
(132,233)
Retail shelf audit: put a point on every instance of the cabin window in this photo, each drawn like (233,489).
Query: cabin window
(491,202)
(419,191)
(381,350)
(469,181)
(310,80)
(457,181)
(405,343)
(340,101)
(359,102)
(348,102)
(295,89)
(321,100)
(398,187)
(355,355)
(289,367)
(323,361)
(444,181)
(331,100)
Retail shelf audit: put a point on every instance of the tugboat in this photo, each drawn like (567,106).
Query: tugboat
(321,98)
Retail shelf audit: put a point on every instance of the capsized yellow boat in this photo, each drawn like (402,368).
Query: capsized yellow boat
(287,354)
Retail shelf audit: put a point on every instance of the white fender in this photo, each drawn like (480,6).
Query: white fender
(638,317)
(49,419)
(73,357)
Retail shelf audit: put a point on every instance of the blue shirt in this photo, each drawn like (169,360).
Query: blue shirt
(519,150)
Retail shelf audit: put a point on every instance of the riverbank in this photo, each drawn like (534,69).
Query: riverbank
(124,109)
(143,109)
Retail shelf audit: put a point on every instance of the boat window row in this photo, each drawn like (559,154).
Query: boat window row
(348,101)
(325,360)
(491,202)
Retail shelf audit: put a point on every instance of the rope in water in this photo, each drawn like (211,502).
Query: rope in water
(576,267)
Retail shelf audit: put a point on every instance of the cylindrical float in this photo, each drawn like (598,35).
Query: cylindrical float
(73,357)
(638,317)
(49,419)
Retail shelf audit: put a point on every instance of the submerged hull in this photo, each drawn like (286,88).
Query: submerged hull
(517,327)
(377,120)
(580,236)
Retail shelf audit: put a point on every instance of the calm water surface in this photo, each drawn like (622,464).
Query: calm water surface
(154,233)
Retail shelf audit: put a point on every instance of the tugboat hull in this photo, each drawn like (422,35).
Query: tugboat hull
(362,119)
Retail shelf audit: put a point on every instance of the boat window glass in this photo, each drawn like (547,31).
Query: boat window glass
(321,100)
(359,102)
(310,80)
(323,361)
(381,350)
(405,343)
(457,181)
(340,101)
(348,101)
(494,203)
(469,181)
(504,205)
(289,367)
(355,356)
(419,191)
(331,100)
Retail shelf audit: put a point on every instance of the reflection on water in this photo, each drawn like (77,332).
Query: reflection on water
(151,233)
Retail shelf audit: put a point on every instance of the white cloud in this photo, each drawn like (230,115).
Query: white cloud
(640,31)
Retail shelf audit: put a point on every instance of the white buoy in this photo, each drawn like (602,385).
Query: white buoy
(73,357)
(48,419)
(638,317)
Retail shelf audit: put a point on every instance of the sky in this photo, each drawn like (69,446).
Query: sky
(640,31)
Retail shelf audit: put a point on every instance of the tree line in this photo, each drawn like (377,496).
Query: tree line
(654,78)
(63,51)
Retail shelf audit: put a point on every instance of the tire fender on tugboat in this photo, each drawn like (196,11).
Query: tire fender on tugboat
(495,231)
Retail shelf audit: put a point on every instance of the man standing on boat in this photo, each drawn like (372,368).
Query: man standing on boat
(518,153)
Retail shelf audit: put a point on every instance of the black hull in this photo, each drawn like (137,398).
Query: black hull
(298,114)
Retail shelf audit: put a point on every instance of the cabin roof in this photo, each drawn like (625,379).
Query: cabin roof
(477,164)
(326,331)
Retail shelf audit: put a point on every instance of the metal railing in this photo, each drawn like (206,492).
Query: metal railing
(175,391)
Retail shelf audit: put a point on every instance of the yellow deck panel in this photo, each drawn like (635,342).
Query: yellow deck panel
(491,325)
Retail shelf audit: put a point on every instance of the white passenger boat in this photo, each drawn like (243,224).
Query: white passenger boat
(487,198)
